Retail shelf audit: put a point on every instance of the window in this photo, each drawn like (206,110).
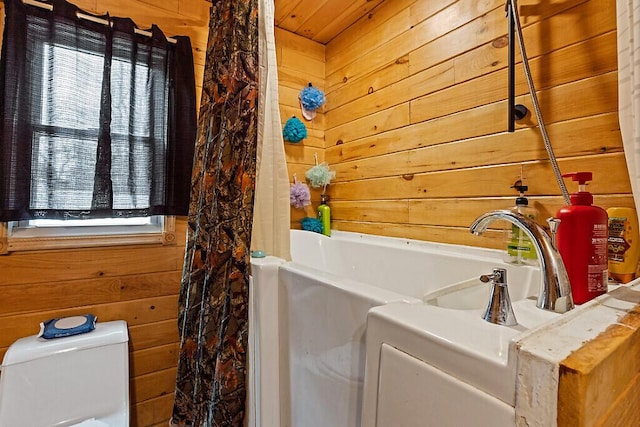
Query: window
(98,123)
(66,133)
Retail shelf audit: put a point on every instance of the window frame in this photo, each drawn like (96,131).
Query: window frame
(13,237)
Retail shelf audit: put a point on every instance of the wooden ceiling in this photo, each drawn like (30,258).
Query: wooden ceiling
(320,20)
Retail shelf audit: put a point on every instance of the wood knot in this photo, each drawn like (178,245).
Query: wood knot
(344,79)
(500,42)
(370,91)
(408,176)
(339,142)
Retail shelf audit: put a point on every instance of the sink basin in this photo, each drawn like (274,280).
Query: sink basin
(473,296)
(522,282)
(468,295)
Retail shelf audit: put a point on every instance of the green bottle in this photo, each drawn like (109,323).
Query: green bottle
(520,249)
(324,215)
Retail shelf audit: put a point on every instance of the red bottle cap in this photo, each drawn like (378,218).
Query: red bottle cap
(581,177)
(582,197)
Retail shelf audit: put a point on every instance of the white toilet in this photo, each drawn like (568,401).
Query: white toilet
(81,380)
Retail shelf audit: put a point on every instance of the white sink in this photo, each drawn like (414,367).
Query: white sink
(472,297)
(522,282)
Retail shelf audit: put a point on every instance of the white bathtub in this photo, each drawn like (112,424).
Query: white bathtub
(309,317)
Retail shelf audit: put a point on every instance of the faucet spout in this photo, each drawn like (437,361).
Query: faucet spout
(555,290)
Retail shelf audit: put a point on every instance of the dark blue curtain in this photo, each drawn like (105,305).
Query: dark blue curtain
(96,120)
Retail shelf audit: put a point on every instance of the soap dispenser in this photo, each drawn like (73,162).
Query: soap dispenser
(324,215)
(582,242)
(520,249)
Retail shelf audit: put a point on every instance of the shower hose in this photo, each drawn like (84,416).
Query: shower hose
(536,105)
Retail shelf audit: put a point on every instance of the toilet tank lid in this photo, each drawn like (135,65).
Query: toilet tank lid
(32,347)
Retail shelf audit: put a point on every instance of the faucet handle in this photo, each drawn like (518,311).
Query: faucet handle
(499,276)
(499,309)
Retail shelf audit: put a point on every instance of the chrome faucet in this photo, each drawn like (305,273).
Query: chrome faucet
(555,291)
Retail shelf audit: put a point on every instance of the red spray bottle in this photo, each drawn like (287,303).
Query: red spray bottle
(582,242)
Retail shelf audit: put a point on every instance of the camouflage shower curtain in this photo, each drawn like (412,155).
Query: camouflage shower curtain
(213,306)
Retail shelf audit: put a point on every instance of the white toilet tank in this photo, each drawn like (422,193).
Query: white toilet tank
(82,379)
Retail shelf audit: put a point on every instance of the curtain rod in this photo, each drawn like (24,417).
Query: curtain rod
(90,18)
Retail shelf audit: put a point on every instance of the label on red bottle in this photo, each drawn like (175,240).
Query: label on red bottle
(597,271)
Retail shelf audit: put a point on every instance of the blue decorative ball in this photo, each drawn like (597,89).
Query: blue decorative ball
(312,98)
(311,224)
(294,130)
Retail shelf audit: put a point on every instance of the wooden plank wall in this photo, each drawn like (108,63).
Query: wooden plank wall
(300,61)
(139,284)
(416,114)
(415,128)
